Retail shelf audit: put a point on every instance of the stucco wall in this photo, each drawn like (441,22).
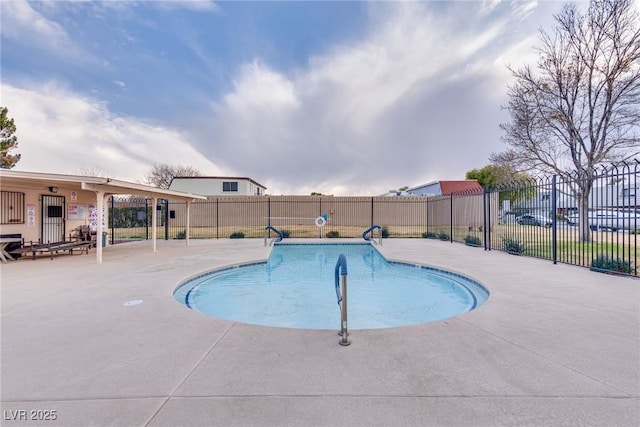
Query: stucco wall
(31,229)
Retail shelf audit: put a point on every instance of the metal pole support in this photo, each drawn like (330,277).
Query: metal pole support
(343,310)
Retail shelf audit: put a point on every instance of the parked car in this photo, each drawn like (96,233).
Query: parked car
(532,219)
(623,219)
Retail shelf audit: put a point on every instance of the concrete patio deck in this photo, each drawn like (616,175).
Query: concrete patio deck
(554,345)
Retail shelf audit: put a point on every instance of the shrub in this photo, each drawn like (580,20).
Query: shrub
(472,240)
(513,246)
(385,232)
(285,233)
(333,234)
(605,263)
(442,235)
(181,234)
(429,235)
(237,235)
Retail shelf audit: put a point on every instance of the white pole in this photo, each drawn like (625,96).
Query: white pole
(100,218)
(154,223)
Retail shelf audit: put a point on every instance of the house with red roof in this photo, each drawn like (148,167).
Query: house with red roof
(446,188)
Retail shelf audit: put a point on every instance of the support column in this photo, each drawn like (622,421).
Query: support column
(154,223)
(100,217)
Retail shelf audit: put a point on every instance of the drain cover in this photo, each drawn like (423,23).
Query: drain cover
(133,302)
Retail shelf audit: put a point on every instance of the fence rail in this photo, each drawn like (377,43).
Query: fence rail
(545,218)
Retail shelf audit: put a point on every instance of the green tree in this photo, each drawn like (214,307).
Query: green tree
(8,141)
(578,107)
(160,175)
(511,184)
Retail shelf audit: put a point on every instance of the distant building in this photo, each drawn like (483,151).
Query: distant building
(395,193)
(217,186)
(445,188)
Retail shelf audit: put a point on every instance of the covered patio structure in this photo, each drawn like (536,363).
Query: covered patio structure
(23,192)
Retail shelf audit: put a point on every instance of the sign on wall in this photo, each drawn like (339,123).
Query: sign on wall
(31,215)
(93,218)
(76,211)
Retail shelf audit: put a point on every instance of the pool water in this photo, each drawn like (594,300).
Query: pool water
(295,289)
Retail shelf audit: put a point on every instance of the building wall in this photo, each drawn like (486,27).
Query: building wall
(214,186)
(432,189)
(78,204)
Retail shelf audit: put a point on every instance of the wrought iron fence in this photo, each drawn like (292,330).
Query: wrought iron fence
(547,217)
(586,218)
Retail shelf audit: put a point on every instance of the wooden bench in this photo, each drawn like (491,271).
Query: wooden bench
(51,248)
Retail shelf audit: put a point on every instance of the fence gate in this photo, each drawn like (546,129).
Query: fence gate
(129,218)
(52,218)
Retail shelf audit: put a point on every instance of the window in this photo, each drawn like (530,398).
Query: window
(230,186)
(628,193)
(54,211)
(11,207)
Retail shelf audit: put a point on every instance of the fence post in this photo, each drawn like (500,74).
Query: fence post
(320,214)
(217,219)
(371,213)
(484,217)
(146,216)
(488,218)
(166,219)
(554,220)
(451,218)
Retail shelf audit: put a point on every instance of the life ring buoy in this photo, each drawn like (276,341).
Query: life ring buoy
(320,221)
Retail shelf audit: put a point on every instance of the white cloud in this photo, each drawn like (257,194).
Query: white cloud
(418,99)
(195,5)
(22,22)
(68,133)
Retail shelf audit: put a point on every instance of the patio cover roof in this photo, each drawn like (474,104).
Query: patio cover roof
(103,187)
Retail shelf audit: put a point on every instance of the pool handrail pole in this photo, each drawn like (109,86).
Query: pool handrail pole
(370,230)
(341,268)
(344,341)
(278,232)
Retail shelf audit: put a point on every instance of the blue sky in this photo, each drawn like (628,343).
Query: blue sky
(344,98)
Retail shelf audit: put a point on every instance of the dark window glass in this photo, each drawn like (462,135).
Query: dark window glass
(230,186)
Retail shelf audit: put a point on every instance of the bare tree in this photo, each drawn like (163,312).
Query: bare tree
(580,106)
(160,175)
(96,171)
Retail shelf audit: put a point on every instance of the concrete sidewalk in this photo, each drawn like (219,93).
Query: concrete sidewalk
(554,345)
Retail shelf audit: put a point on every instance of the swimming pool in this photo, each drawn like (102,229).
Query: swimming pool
(295,289)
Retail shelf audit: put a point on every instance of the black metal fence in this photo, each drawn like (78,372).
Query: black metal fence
(546,218)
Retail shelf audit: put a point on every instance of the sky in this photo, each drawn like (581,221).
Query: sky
(342,98)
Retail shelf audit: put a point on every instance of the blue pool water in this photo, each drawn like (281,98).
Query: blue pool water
(295,289)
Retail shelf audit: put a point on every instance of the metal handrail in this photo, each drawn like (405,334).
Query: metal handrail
(341,270)
(370,230)
(278,232)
